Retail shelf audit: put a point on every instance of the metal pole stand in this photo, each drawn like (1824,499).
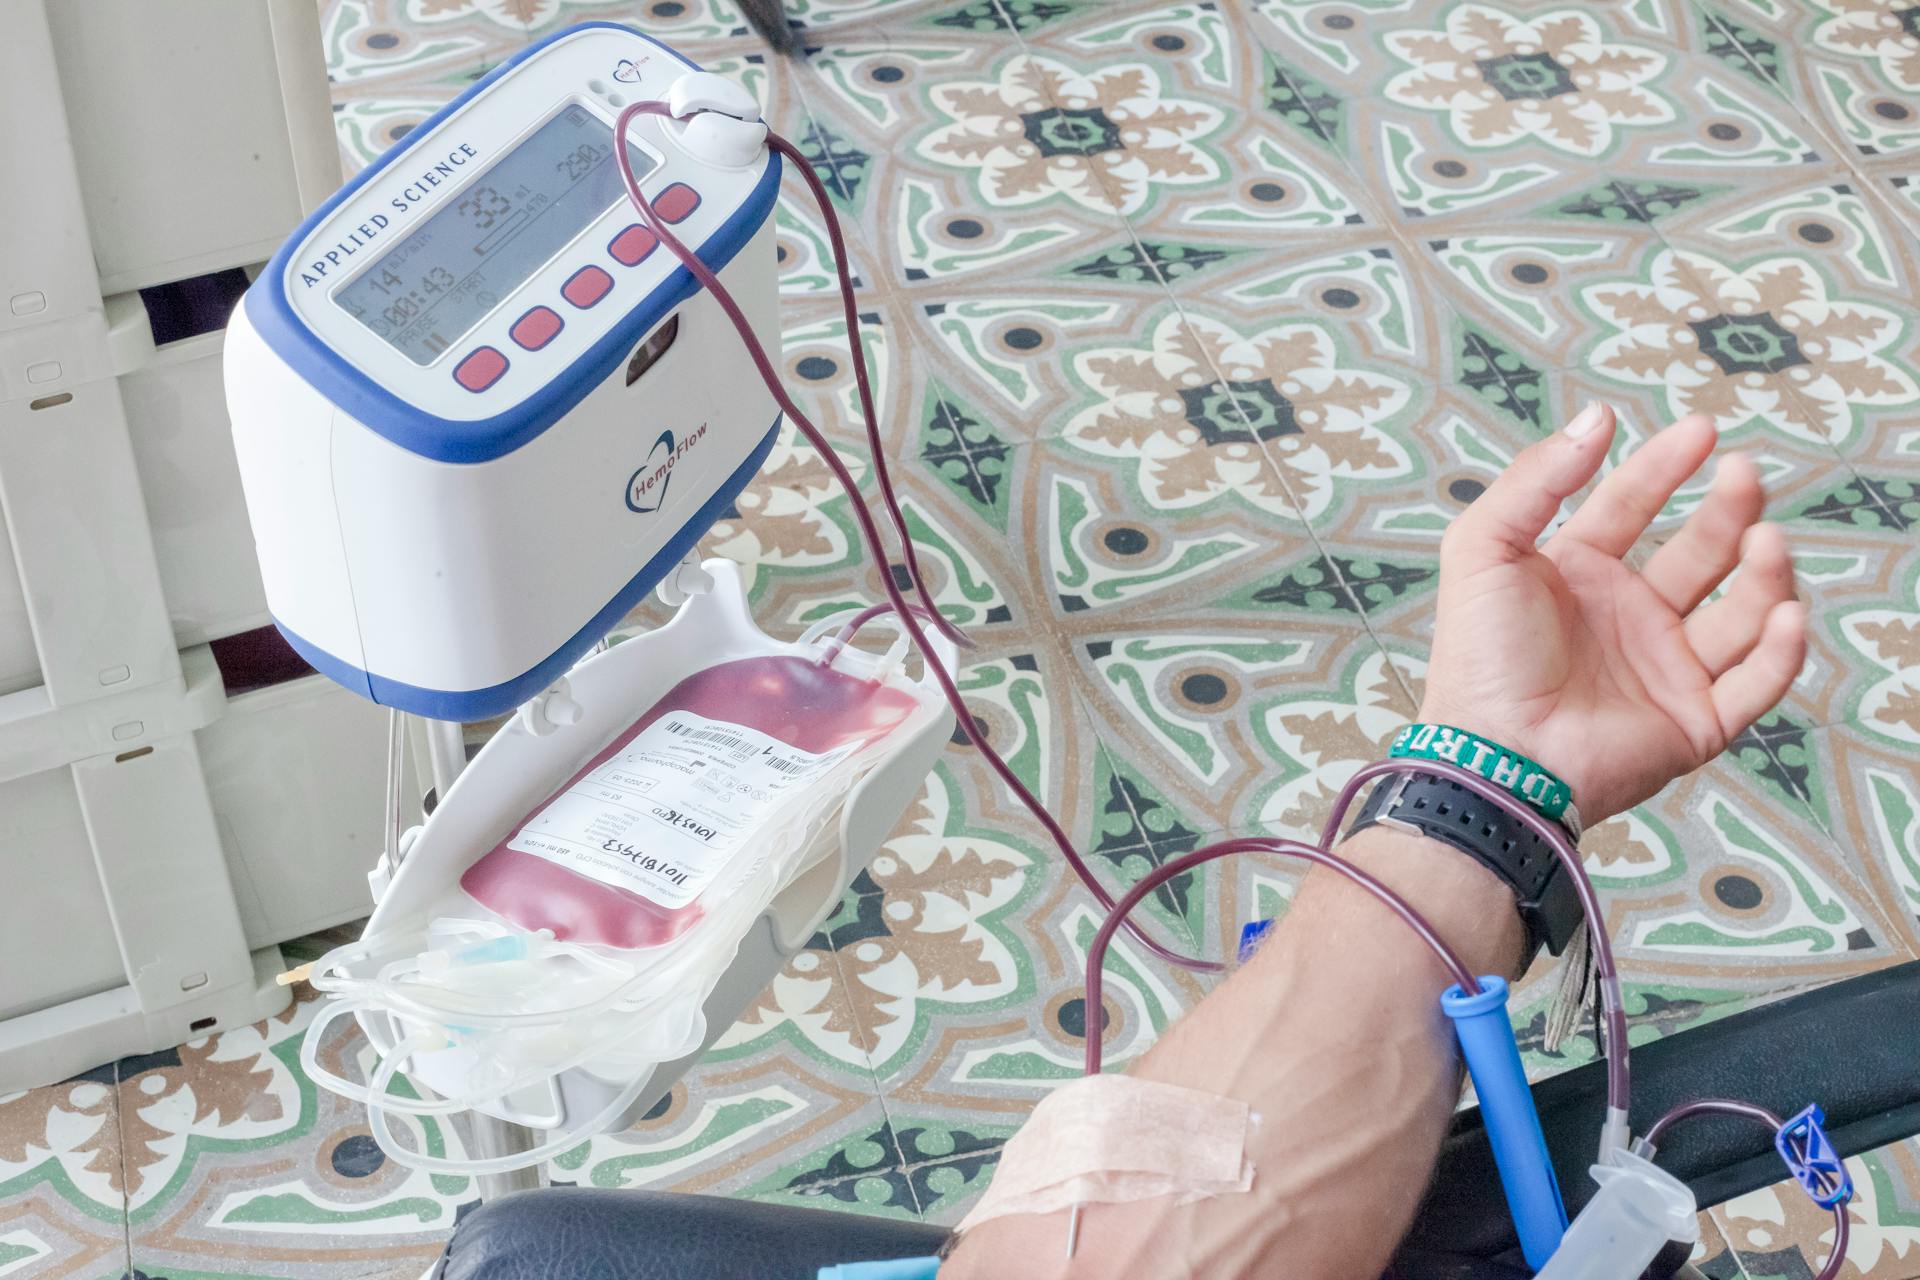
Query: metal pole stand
(485,1136)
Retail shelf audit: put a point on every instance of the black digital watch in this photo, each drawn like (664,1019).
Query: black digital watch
(1446,811)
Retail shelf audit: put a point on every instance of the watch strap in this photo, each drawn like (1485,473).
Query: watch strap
(1444,810)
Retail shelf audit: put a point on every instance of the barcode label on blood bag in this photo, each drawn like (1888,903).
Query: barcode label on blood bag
(721,736)
(662,816)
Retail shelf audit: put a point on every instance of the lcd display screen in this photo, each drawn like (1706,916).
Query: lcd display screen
(438,281)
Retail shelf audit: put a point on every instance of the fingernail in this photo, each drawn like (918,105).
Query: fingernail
(1585,421)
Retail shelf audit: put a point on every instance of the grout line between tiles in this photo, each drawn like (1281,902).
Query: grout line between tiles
(873,1075)
(1828,132)
(1313,534)
(1733,1250)
(126,1185)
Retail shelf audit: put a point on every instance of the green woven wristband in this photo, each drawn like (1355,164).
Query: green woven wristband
(1506,769)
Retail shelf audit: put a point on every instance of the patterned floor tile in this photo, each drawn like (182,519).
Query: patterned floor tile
(1713,1256)
(1479,106)
(790,1078)
(1192,326)
(695,27)
(234,1160)
(1859,72)
(62,1194)
(1778,1234)
(1859,784)
(1854,554)
(1790,311)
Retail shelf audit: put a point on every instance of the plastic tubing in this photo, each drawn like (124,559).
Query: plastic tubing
(378,1104)
(870,532)
(1837,1256)
(1146,884)
(1613,1007)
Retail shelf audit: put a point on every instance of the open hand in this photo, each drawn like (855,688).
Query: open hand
(1618,681)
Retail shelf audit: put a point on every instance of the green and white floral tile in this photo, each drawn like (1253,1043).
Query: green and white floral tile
(1498,249)
(966,190)
(1779,1234)
(386,40)
(1168,108)
(1003,252)
(1237,709)
(1718,880)
(1859,71)
(697,28)
(1859,784)
(62,1191)
(1879,636)
(1852,542)
(791,1075)
(1799,300)
(232,1157)
(938,954)
(1477,105)
(770,1134)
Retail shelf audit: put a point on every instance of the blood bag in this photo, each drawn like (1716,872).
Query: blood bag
(623,853)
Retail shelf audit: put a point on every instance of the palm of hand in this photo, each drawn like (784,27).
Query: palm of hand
(1608,676)
(1590,671)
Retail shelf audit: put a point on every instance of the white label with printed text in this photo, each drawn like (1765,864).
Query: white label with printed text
(662,816)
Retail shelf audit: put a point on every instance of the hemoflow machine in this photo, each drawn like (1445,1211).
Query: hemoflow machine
(479,413)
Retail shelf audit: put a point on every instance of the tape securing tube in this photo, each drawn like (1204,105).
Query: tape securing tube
(1506,1106)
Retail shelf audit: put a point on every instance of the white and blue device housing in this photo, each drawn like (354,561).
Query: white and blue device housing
(478,413)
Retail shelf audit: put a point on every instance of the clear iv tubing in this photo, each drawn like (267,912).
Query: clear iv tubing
(1097,949)
(1837,1256)
(1616,1040)
(1615,1047)
(868,529)
(1614,1009)
(383,1133)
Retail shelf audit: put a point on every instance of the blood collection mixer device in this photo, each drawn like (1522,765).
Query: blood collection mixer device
(479,412)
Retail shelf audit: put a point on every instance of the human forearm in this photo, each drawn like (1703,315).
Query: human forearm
(1618,681)
(1332,1034)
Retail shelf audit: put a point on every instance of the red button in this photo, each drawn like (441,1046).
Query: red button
(586,286)
(632,245)
(535,329)
(676,202)
(480,370)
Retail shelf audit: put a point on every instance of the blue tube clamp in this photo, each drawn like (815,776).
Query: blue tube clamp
(1809,1155)
(1506,1108)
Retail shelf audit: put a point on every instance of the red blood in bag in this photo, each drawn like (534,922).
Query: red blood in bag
(796,700)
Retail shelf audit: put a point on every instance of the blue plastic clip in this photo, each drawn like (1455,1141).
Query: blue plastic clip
(1250,935)
(1811,1159)
(1506,1108)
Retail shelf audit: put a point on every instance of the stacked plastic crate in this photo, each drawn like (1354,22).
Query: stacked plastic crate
(177,795)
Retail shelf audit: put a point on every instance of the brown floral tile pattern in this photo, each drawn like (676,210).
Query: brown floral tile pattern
(1192,326)
(62,1189)
(1779,1232)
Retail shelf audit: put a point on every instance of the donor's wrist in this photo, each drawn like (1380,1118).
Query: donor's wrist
(1519,775)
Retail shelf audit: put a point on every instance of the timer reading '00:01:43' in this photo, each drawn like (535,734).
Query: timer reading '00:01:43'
(434,285)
